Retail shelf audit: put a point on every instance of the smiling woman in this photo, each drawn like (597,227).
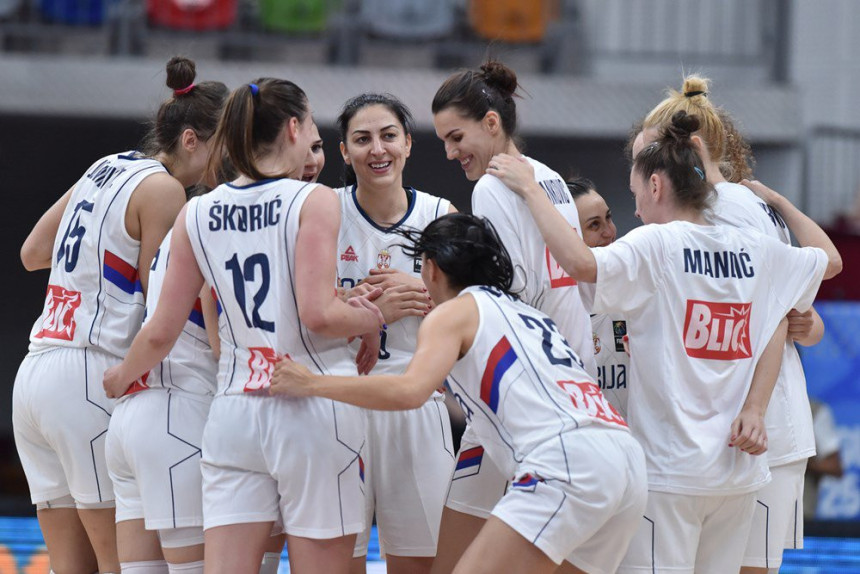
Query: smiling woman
(408,455)
(475,115)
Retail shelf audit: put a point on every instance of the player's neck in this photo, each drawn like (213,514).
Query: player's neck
(386,206)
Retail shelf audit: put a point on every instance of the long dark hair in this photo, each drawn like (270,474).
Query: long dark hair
(466,248)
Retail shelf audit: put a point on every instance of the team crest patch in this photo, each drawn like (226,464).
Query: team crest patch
(619,329)
(261,363)
(383,260)
(469,462)
(349,255)
(597,346)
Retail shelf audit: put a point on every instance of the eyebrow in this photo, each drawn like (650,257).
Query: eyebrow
(451,132)
(388,127)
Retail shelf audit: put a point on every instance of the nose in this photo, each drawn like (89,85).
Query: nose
(450,152)
(377,147)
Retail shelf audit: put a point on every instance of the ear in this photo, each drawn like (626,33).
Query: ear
(656,186)
(492,122)
(344,153)
(701,149)
(293,127)
(188,139)
(408,144)
(433,270)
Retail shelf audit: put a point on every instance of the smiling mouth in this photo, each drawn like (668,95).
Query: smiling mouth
(380,165)
(308,177)
(465,163)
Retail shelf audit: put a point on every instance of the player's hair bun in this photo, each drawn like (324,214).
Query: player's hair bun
(181,72)
(682,127)
(500,77)
(695,86)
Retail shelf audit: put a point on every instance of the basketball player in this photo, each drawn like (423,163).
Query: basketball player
(266,244)
(579,483)
(598,230)
(98,240)
(409,454)
(702,302)
(474,114)
(777,521)
(315,160)
(154,437)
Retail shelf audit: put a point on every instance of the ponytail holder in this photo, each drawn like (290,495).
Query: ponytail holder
(696,93)
(184,90)
(255,89)
(700,172)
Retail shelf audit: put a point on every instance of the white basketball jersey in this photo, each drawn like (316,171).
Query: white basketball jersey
(701,302)
(611,358)
(190,365)
(539,280)
(94,296)
(521,385)
(790,436)
(364,245)
(244,239)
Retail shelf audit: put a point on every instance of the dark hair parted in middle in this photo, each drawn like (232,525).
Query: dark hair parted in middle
(358,103)
(466,248)
(674,154)
(474,93)
(579,186)
(253,118)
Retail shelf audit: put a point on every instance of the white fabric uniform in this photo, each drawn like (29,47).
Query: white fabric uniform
(612,360)
(155,433)
(410,454)
(93,308)
(541,283)
(698,323)
(259,451)
(542,419)
(788,418)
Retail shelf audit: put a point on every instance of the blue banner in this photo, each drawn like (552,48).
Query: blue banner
(833,377)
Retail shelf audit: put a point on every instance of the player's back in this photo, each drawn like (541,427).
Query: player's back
(521,384)
(540,280)
(94,296)
(244,239)
(698,322)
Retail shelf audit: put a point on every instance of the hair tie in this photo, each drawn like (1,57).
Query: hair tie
(184,90)
(696,93)
(700,172)
(255,89)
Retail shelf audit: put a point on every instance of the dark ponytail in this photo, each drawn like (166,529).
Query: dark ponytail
(253,118)
(674,154)
(192,106)
(466,248)
(474,93)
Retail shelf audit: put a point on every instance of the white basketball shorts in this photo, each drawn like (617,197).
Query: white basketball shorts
(153,455)
(778,518)
(60,418)
(408,462)
(298,459)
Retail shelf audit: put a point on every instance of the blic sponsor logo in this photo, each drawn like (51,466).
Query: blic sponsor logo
(260,363)
(588,398)
(60,306)
(719,331)
(558,277)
